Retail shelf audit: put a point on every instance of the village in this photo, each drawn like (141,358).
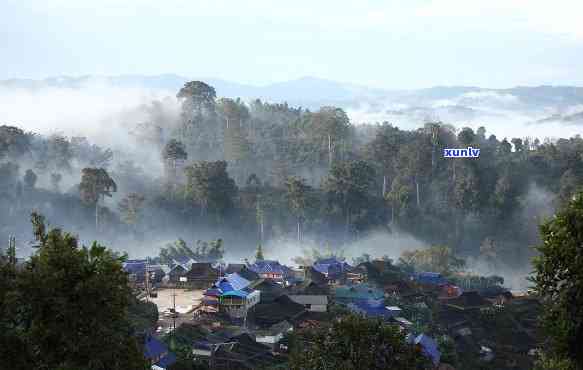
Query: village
(241,315)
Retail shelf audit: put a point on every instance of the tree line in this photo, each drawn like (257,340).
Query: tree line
(268,170)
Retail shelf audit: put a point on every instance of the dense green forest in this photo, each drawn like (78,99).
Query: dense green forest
(256,172)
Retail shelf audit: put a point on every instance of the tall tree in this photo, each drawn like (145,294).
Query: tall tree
(68,308)
(96,184)
(349,185)
(197,96)
(329,128)
(209,185)
(383,150)
(558,280)
(297,194)
(466,136)
(173,154)
(354,342)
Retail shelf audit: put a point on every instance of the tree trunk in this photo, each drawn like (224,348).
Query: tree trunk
(384,185)
(299,231)
(97,215)
(329,151)
(417,192)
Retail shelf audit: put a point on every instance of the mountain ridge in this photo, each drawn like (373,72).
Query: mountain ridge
(312,92)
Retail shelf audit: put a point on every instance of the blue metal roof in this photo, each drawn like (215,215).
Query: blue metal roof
(267,266)
(232,281)
(154,348)
(135,266)
(429,347)
(236,293)
(330,266)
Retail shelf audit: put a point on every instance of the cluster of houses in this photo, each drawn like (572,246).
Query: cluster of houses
(248,308)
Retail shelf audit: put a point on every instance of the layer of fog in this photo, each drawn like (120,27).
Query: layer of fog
(503,115)
(107,115)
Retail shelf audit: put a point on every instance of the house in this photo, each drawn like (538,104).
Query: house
(401,288)
(358,293)
(267,269)
(313,282)
(156,273)
(428,347)
(312,303)
(359,274)
(469,300)
(231,282)
(310,273)
(177,274)
(274,334)
(449,291)
(377,311)
(282,308)
(157,353)
(186,262)
(368,270)
(309,287)
(244,353)
(201,275)
(241,269)
(136,270)
(333,268)
(270,290)
(233,295)
(236,303)
(210,300)
(203,348)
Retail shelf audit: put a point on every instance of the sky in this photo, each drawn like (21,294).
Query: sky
(389,44)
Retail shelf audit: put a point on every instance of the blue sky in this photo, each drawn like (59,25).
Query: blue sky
(391,44)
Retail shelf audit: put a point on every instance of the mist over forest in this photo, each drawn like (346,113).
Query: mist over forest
(307,164)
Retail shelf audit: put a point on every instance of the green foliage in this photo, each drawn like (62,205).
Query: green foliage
(559,281)
(142,316)
(446,346)
(95,183)
(68,309)
(209,185)
(435,259)
(554,363)
(174,151)
(204,252)
(353,342)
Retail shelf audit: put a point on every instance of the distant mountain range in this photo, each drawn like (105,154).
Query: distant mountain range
(313,89)
(575,118)
(453,103)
